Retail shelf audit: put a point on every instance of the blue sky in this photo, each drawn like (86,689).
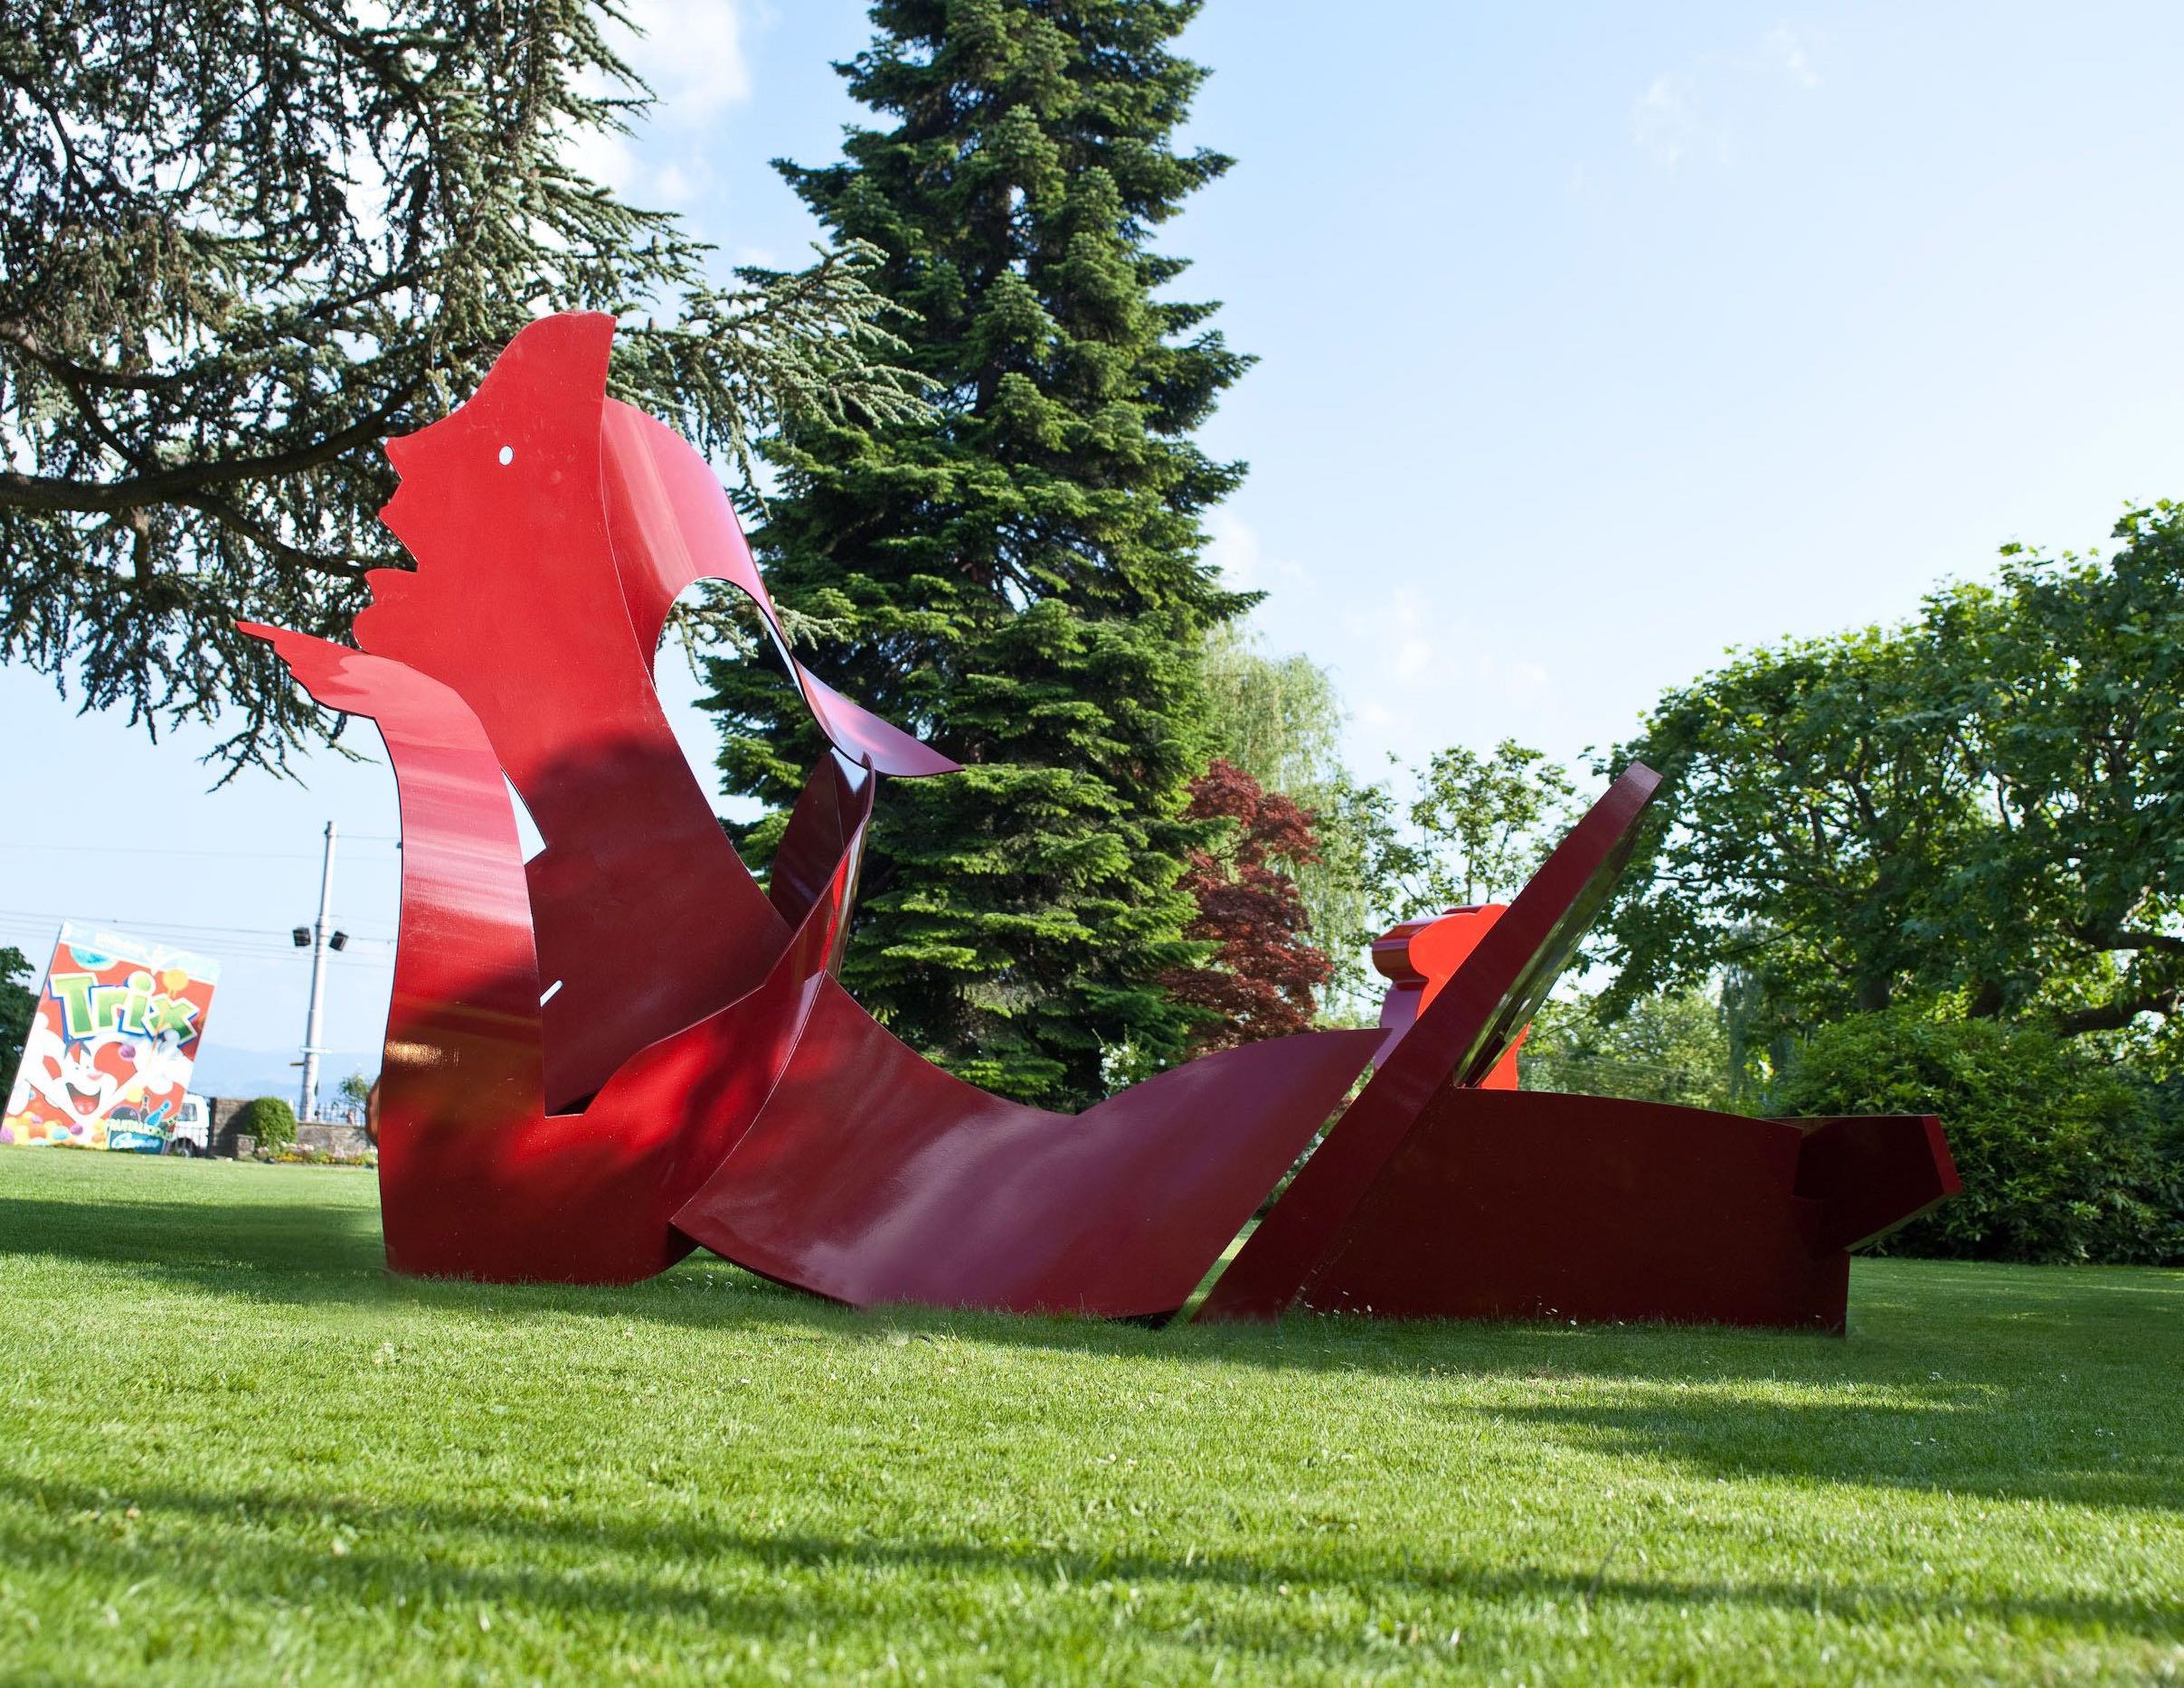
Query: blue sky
(1594,340)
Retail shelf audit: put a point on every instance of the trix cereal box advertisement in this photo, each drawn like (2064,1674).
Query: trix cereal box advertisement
(110,1050)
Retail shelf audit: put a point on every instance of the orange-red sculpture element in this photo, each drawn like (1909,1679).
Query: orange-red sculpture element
(1420,957)
(622,1048)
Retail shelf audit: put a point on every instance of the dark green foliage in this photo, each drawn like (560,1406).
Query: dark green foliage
(1673,1048)
(2063,1156)
(240,245)
(1983,810)
(2071,675)
(1811,811)
(18,1003)
(1480,826)
(1475,831)
(1018,576)
(268,1119)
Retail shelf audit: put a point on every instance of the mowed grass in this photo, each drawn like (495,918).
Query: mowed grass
(237,1450)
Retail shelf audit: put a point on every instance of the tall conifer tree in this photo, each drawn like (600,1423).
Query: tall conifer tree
(1019,579)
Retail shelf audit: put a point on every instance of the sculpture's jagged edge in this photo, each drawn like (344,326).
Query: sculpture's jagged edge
(551,529)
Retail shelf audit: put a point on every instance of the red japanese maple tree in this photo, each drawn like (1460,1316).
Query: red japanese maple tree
(1258,981)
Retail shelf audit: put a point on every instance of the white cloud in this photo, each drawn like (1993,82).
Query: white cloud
(1665,123)
(1783,46)
(1434,676)
(1680,115)
(1234,547)
(671,187)
(693,54)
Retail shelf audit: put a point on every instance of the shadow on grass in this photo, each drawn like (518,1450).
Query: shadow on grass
(444,1553)
(317,1253)
(1972,1445)
(1958,1357)
(331,1250)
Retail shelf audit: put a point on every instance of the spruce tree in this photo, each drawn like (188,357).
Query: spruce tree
(1018,576)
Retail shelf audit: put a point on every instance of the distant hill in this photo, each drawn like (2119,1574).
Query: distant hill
(224,1071)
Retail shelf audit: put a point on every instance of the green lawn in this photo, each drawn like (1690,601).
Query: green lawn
(237,1450)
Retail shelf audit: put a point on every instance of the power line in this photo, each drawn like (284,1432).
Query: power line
(229,855)
(32,931)
(172,926)
(33,948)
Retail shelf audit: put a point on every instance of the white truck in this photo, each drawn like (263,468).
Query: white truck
(192,1132)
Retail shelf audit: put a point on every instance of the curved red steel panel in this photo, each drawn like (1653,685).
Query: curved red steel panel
(873,1176)
(553,529)
(518,605)
(477,1179)
(464,1039)
(822,848)
(673,524)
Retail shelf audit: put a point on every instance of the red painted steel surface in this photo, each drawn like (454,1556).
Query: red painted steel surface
(521,1141)
(1442,1195)
(518,605)
(477,1179)
(1537,1205)
(553,529)
(1419,957)
(1867,1176)
(873,1177)
(1459,1040)
(822,849)
(623,1047)
(672,525)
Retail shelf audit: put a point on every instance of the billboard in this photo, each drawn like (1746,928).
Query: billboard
(107,1058)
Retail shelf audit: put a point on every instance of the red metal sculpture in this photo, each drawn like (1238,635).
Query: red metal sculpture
(1435,1197)
(567,1097)
(559,1084)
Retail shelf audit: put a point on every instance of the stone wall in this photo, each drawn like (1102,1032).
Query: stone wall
(222,1132)
(333,1139)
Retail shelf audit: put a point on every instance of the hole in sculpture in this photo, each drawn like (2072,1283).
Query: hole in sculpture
(527,835)
(680,687)
(549,993)
(508,456)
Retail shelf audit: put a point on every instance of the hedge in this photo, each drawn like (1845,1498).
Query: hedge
(2065,1155)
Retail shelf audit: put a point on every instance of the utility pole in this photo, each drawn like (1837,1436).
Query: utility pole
(308,1106)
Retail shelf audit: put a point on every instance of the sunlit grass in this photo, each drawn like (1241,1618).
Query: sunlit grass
(237,1450)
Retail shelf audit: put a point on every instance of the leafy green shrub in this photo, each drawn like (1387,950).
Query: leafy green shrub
(268,1119)
(2064,1155)
(1668,1048)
